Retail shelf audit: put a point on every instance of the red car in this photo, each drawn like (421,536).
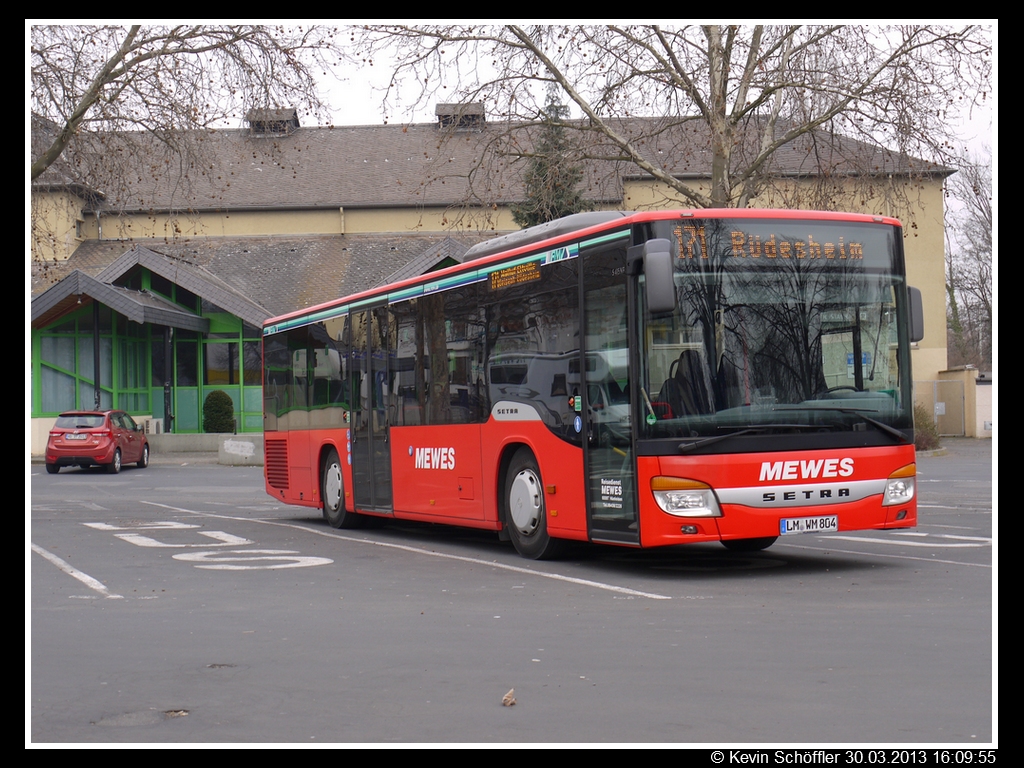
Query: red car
(107,438)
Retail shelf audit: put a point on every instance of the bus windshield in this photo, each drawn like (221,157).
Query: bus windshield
(780,327)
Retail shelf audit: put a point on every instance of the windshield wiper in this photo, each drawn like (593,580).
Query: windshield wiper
(688,447)
(881,425)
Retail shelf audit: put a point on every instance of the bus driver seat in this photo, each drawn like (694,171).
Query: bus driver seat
(686,389)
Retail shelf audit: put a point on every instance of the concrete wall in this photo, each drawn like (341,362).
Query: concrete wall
(237,450)
(985,415)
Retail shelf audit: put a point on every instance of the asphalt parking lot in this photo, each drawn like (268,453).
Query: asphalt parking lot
(218,615)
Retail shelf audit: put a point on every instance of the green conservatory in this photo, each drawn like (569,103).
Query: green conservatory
(147,336)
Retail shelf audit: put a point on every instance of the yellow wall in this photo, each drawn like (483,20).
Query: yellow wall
(54,216)
(299,223)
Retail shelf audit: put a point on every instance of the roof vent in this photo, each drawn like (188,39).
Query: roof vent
(272,122)
(460,117)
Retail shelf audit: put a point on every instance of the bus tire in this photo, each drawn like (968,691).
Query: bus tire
(749,545)
(332,494)
(525,513)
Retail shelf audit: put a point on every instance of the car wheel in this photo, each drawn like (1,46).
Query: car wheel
(115,466)
(332,494)
(143,461)
(52,469)
(525,512)
(749,545)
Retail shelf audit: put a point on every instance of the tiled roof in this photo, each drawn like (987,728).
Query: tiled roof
(263,275)
(419,165)
(138,306)
(192,277)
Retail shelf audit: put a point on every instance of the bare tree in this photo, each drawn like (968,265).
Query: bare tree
(969,264)
(721,102)
(165,81)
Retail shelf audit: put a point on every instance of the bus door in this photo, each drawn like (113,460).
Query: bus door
(372,376)
(609,459)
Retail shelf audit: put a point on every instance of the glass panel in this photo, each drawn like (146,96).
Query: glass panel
(161,285)
(533,346)
(610,458)
(59,351)
(186,298)
(87,396)
(252,363)
(187,373)
(85,358)
(157,359)
(777,332)
(57,391)
(328,399)
(186,414)
(252,398)
(221,365)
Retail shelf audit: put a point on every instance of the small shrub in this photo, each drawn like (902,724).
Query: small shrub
(926,434)
(218,412)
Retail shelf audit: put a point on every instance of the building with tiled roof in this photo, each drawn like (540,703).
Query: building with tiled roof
(177,264)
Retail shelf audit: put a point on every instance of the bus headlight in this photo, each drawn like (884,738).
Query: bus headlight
(685,498)
(901,486)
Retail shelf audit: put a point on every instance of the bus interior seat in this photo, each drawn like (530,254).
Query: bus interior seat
(686,390)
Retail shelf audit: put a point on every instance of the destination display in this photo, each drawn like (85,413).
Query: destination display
(754,242)
(520,273)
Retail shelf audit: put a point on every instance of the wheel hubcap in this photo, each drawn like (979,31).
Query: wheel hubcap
(332,486)
(524,501)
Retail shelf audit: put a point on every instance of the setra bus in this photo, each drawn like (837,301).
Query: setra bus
(641,379)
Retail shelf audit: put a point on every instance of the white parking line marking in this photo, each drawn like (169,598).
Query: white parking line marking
(141,526)
(958,536)
(226,539)
(881,554)
(70,570)
(977,541)
(427,552)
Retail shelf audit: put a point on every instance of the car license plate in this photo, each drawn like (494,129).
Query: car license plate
(818,524)
(76,436)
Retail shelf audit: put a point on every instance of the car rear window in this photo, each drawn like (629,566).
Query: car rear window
(79,421)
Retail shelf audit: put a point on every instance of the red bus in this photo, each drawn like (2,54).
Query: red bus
(641,379)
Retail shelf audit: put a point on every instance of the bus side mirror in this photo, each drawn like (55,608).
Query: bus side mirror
(661,290)
(916,314)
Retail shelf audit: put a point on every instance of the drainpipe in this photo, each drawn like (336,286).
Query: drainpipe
(96,353)
(168,377)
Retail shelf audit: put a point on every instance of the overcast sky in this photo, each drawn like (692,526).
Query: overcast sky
(357,100)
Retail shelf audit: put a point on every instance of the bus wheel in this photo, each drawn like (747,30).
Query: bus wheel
(525,515)
(332,494)
(749,545)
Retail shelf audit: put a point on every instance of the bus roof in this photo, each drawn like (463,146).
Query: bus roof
(554,232)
